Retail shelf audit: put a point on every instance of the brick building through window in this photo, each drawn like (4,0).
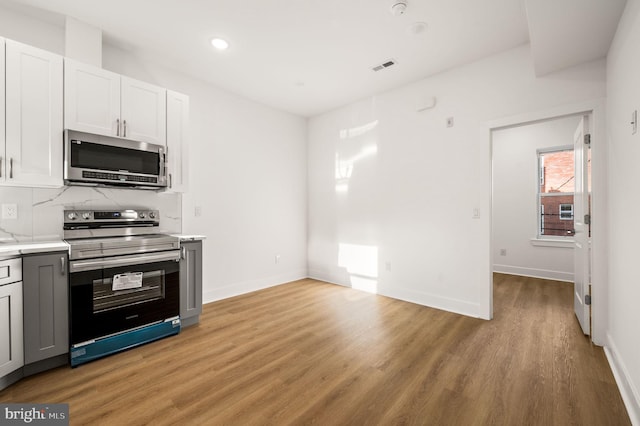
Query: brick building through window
(556,191)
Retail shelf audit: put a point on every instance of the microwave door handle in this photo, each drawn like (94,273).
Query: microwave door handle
(117,127)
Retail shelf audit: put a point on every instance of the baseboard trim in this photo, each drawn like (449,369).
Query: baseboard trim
(237,289)
(455,306)
(534,273)
(628,391)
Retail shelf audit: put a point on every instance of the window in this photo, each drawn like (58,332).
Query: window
(566,211)
(555,192)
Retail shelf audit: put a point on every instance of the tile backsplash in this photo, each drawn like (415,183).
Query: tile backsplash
(40,210)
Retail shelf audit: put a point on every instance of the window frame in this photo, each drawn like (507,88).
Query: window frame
(560,211)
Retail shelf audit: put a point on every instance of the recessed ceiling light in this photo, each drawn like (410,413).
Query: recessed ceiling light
(219,43)
(417,28)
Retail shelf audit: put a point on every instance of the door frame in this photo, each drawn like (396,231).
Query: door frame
(599,209)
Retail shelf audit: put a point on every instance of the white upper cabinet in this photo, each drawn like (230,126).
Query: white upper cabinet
(105,103)
(144,111)
(92,99)
(33,111)
(177,140)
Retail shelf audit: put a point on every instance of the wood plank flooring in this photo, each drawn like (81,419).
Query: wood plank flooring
(308,352)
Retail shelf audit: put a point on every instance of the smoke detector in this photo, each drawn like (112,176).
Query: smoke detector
(398,7)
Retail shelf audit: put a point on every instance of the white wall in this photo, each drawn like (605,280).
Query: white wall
(515,206)
(406,222)
(623,69)
(247,173)
(42,33)
(248,176)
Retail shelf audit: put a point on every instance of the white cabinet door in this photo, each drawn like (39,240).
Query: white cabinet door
(11,347)
(3,162)
(143,111)
(92,99)
(177,143)
(33,116)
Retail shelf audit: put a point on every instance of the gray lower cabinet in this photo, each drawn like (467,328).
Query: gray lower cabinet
(191,282)
(46,307)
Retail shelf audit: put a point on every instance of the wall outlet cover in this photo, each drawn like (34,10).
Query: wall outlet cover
(9,211)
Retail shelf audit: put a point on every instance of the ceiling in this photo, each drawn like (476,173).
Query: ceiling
(310,56)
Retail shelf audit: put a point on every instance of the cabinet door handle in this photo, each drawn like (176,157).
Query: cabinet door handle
(10,168)
(124,128)
(117,127)
(184,252)
(63,266)
(170,181)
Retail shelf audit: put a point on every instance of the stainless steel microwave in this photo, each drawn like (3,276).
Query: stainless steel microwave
(91,159)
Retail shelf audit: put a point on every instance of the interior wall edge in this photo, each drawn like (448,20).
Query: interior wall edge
(629,393)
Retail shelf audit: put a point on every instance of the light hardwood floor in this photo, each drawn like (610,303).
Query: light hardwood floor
(308,352)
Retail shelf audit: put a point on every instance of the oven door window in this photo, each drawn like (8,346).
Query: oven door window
(127,288)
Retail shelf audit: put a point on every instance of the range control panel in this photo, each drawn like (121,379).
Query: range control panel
(106,216)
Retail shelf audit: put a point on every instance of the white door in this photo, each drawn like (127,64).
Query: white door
(143,111)
(177,146)
(33,116)
(3,158)
(582,276)
(91,99)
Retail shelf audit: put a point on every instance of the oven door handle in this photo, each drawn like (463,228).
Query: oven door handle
(132,260)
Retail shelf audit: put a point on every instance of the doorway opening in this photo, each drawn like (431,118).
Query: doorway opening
(541,201)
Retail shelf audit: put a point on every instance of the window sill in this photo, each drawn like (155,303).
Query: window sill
(548,242)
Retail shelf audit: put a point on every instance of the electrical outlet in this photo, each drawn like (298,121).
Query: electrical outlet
(476,213)
(9,211)
(277,258)
(387,266)
(503,252)
(198,211)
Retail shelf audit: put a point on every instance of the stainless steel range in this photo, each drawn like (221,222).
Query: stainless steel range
(124,281)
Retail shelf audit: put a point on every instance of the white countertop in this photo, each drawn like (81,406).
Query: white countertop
(30,247)
(184,237)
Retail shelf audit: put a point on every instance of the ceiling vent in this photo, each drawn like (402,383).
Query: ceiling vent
(384,65)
